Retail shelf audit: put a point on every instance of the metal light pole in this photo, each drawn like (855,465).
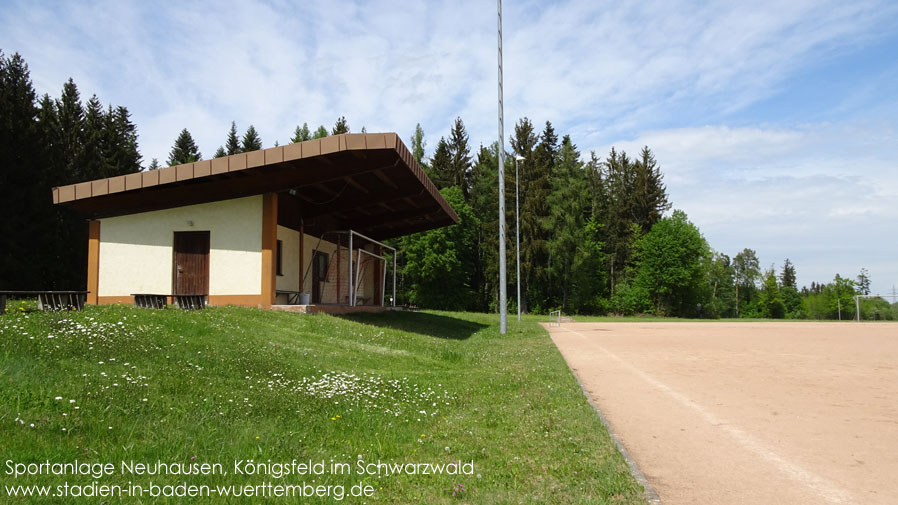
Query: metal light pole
(517,224)
(503,301)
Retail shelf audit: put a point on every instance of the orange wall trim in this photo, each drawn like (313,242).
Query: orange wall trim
(242,300)
(269,246)
(93,261)
(218,300)
(111,300)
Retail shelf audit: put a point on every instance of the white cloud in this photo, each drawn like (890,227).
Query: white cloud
(654,72)
(822,195)
(598,71)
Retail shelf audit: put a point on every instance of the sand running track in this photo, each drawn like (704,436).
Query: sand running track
(748,413)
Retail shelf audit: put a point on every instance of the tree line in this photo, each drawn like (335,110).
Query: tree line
(598,236)
(47,142)
(185,149)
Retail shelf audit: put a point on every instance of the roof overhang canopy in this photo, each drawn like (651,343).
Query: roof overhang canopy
(367,182)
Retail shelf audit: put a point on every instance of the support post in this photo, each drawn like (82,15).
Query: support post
(269,247)
(393,301)
(358,275)
(857,307)
(351,291)
(93,262)
(302,251)
(383,282)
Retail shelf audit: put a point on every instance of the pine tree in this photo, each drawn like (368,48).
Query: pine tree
(787,277)
(48,133)
(61,254)
(154,165)
(418,144)
(547,150)
(440,169)
(460,162)
(18,194)
(184,150)
(301,134)
(621,231)
(535,178)
(320,133)
(572,266)
(531,187)
(863,282)
(127,155)
(650,195)
(91,160)
(220,152)
(232,144)
(340,126)
(70,116)
(53,143)
(485,202)
(251,140)
(118,144)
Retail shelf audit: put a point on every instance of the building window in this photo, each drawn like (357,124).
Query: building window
(279,258)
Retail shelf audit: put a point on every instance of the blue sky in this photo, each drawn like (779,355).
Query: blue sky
(774,123)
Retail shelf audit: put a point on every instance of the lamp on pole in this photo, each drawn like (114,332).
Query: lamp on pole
(503,298)
(517,224)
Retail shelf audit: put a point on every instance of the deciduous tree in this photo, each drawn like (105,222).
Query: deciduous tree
(747,270)
(439,262)
(669,265)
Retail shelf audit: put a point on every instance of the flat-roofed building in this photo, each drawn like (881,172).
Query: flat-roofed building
(300,223)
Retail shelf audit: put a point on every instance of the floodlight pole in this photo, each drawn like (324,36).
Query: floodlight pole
(503,301)
(517,224)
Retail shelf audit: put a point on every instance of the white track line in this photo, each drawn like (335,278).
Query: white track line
(823,487)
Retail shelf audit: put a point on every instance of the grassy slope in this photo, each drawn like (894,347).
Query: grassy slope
(226,383)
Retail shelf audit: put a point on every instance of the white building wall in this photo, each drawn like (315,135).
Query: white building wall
(136,249)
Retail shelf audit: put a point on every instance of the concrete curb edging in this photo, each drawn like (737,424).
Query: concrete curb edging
(650,495)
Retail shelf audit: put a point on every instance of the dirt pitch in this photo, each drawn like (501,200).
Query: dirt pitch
(748,413)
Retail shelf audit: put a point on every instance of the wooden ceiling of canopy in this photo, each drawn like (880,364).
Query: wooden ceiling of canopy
(368,182)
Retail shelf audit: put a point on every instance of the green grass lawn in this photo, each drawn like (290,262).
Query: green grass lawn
(113,384)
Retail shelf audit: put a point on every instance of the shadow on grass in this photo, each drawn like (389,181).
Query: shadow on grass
(434,325)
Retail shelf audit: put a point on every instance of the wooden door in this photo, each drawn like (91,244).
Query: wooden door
(190,265)
(319,274)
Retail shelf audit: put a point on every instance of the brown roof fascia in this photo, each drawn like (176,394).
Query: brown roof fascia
(236,162)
